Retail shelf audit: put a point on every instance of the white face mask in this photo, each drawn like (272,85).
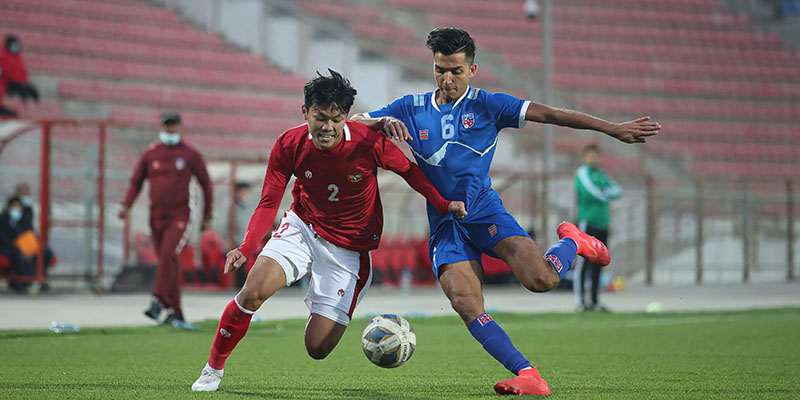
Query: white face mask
(169,139)
(15,214)
(26,201)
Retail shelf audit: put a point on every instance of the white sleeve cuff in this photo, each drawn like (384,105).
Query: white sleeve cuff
(522,111)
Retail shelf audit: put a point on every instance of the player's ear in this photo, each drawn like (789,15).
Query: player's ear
(304,111)
(472,69)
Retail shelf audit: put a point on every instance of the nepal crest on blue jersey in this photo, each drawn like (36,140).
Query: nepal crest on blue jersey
(467,120)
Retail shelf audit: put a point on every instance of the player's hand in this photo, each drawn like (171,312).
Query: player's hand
(457,208)
(123,212)
(394,128)
(636,131)
(234,260)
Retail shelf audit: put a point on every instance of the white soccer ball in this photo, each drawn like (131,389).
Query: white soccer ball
(388,340)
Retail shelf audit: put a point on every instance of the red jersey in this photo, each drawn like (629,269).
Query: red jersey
(13,66)
(336,191)
(170,170)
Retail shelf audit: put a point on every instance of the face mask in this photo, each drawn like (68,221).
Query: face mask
(26,201)
(169,139)
(14,214)
(13,47)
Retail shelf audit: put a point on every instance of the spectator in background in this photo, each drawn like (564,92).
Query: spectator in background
(4,111)
(15,75)
(19,244)
(243,213)
(169,164)
(593,190)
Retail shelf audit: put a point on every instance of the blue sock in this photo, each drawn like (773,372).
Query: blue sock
(562,255)
(495,340)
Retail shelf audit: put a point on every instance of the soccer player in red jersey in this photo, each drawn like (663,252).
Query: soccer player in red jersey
(334,222)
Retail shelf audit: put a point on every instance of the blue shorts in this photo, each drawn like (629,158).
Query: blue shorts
(463,240)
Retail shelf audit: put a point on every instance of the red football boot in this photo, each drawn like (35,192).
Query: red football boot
(528,382)
(589,247)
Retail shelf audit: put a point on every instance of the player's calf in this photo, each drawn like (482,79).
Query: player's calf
(322,335)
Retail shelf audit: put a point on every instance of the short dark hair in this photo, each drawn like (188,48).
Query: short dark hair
(242,185)
(450,41)
(13,199)
(591,147)
(326,91)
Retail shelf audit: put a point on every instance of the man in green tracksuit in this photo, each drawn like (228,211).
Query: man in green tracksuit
(593,190)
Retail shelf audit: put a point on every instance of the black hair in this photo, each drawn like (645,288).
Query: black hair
(451,41)
(11,38)
(591,147)
(13,199)
(325,92)
(242,185)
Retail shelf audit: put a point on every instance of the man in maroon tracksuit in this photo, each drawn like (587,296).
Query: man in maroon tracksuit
(169,164)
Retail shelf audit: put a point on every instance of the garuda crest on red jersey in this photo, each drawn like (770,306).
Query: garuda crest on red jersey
(355,177)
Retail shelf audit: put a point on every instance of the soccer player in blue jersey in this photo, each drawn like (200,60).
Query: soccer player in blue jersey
(453,134)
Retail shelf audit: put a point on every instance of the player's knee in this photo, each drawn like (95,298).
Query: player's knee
(318,351)
(250,298)
(468,307)
(541,282)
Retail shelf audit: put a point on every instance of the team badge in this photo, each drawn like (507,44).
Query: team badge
(485,319)
(340,293)
(308,174)
(467,120)
(492,230)
(423,134)
(355,177)
(180,163)
(552,259)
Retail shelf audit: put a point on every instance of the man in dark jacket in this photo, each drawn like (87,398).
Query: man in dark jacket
(169,164)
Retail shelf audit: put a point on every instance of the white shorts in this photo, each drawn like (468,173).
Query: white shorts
(339,277)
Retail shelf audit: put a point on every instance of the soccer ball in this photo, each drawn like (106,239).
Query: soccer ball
(388,340)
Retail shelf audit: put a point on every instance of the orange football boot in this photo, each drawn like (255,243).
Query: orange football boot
(589,247)
(528,382)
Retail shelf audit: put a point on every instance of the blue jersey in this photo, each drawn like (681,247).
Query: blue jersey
(454,143)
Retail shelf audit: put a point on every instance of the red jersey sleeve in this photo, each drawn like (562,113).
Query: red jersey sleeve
(201,173)
(388,156)
(139,175)
(279,170)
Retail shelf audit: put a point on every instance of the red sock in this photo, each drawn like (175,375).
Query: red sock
(232,327)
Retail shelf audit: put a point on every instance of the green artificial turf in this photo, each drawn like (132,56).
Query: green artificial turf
(725,355)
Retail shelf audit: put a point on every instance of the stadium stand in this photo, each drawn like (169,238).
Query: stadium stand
(706,72)
(134,59)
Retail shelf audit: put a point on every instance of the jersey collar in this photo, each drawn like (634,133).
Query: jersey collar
(436,106)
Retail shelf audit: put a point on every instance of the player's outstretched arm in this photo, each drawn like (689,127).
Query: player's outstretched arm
(392,127)
(636,131)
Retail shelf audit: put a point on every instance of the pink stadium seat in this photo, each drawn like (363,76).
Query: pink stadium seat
(186,74)
(740,110)
(178,97)
(122,11)
(36,41)
(745,170)
(706,151)
(178,34)
(707,87)
(203,122)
